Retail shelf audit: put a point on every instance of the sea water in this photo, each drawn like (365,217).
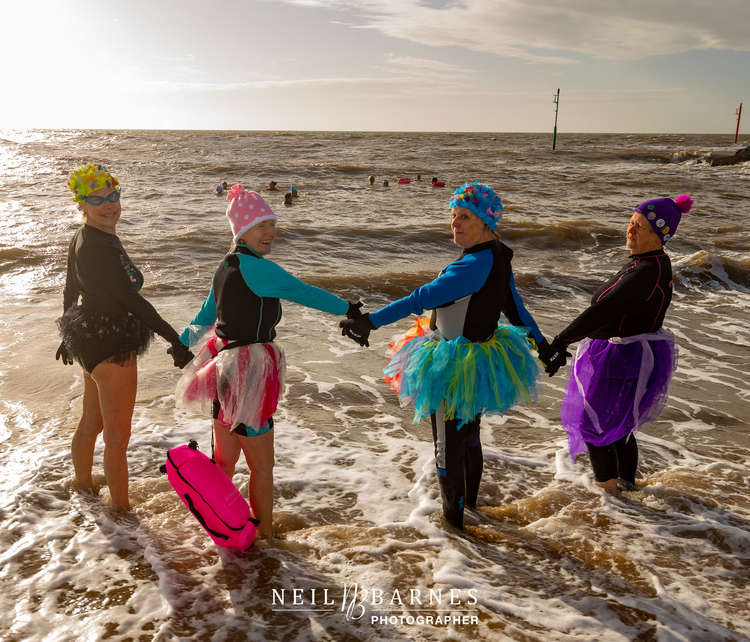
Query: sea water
(362,551)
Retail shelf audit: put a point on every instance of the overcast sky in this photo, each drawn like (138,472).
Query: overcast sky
(418,65)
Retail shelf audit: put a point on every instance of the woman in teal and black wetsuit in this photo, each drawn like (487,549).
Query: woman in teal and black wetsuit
(238,373)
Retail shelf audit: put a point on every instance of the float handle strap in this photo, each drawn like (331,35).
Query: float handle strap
(199,517)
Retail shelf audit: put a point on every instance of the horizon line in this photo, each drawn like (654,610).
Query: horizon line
(369,131)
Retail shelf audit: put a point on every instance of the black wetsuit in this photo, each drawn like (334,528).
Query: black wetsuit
(632,302)
(113,320)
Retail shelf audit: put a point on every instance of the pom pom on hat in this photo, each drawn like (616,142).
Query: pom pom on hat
(684,202)
(664,214)
(246,209)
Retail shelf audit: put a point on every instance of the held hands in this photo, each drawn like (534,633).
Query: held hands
(62,353)
(181,355)
(357,326)
(553,356)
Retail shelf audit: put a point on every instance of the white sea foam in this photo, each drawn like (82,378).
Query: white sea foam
(550,555)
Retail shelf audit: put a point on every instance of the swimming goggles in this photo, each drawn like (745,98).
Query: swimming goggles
(112,197)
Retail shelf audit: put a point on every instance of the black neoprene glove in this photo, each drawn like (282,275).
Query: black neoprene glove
(357,329)
(553,356)
(62,353)
(180,353)
(355,310)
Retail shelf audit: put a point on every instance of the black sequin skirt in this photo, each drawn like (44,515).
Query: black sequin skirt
(93,337)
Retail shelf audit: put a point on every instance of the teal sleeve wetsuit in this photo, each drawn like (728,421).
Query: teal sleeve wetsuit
(245,299)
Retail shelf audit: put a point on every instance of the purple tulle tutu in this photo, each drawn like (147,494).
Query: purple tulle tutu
(616,385)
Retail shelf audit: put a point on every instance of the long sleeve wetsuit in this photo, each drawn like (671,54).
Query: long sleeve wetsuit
(244,300)
(634,301)
(101,273)
(469,295)
(467,298)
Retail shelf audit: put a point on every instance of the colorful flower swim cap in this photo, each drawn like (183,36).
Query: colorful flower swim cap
(664,214)
(88,179)
(480,199)
(246,209)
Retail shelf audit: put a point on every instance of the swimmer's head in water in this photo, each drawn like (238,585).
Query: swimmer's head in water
(480,199)
(246,209)
(90,178)
(664,214)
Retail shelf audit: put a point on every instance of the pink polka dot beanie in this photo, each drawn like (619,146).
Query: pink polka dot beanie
(246,209)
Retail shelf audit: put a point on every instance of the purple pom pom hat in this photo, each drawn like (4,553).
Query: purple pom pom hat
(664,214)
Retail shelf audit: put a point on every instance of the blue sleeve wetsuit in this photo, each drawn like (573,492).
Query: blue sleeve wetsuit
(467,298)
(469,295)
(244,300)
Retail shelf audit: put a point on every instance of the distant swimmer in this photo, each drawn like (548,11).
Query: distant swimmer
(371,179)
(288,199)
(218,190)
(293,192)
(385,183)
(625,359)
(419,177)
(272,186)
(437,183)
(225,186)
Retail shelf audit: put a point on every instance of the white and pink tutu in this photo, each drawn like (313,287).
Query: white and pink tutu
(246,380)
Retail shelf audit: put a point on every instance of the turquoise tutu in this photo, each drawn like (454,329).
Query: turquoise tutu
(470,378)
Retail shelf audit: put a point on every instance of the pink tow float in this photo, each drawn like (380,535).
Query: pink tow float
(403,181)
(211,497)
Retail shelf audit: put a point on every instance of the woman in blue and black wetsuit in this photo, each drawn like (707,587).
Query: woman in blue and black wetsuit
(465,365)
(238,374)
(105,325)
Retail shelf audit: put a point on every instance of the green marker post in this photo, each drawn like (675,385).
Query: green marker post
(556,99)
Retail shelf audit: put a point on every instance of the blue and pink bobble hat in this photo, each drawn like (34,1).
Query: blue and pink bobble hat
(480,199)
(664,214)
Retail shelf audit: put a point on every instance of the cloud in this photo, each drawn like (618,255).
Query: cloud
(550,30)
(424,68)
(170,85)
(400,73)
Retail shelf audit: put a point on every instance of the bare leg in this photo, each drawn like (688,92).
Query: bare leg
(610,486)
(117,385)
(259,454)
(227,448)
(84,438)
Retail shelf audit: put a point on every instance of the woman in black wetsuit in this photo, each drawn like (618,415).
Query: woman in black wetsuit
(105,332)
(463,364)
(621,372)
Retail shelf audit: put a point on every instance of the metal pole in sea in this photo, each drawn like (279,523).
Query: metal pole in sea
(556,100)
(739,115)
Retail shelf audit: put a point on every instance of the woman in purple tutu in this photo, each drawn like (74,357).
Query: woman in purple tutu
(624,363)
